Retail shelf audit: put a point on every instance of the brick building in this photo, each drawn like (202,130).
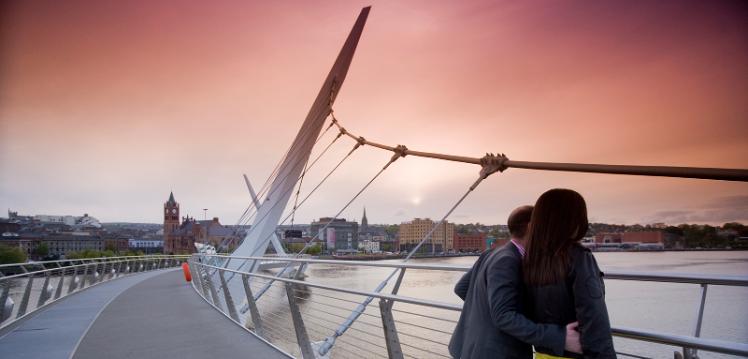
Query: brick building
(471,242)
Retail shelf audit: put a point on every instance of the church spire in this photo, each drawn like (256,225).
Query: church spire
(171,198)
(364,220)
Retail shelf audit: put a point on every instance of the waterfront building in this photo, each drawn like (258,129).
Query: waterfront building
(411,233)
(339,235)
(146,245)
(369,246)
(470,242)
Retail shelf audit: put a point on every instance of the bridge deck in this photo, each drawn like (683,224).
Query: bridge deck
(151,315)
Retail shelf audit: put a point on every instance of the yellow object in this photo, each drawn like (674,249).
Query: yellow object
(547,356)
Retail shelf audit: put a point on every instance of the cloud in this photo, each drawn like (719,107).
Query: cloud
(717,211)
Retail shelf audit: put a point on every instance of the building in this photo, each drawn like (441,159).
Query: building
(368,246)
(58,245)
(411,233)
(339,235)
(118,244)
(180,238)
(472,242)
(646,237)
(146,245)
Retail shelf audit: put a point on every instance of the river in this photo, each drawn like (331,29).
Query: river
(665,307)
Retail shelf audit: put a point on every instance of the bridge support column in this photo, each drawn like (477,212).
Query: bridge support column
(298,324)
(253,311)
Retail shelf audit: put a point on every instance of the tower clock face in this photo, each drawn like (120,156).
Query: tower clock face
(173,210)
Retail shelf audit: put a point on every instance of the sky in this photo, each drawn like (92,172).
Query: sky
(107,106)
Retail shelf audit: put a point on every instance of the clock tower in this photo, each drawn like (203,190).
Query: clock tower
(171,216)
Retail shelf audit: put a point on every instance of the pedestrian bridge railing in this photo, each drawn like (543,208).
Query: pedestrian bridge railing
(312,318)
(28,287)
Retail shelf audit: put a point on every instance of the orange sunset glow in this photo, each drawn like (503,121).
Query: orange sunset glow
(107,106)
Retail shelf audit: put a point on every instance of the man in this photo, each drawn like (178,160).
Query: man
(491,324)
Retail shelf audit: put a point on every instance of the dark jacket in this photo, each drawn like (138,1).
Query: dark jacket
(491,324)
(580,298)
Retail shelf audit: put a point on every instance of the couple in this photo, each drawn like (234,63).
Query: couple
(542,289)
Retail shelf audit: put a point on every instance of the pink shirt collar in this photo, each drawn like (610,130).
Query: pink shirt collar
(520,248)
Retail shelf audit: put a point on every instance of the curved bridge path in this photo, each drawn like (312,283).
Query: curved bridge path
(150,315)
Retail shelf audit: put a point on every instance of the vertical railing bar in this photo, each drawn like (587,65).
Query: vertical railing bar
(227,297)
(73,280)
(61,283)
(394,350)
(6,309)
(254,312)
(302,338)
(213,292)
(25,299)
(44,295)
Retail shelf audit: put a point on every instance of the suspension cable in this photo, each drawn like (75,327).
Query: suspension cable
(723,174)
(489,167)
(321,230)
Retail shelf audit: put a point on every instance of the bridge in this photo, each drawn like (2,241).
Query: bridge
(234,306)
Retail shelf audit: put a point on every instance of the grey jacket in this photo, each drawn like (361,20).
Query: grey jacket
(491,324)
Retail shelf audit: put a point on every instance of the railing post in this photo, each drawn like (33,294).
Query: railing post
(58,292)
(45,293)
(213,292)
(298,324)
(6,303)
(73,281)
(227,297)
(25,299)
(94,275)
(203,285)
(690,353)
(253,311)
(394,351)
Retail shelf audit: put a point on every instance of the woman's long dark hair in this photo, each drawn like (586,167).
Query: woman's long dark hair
(558,222)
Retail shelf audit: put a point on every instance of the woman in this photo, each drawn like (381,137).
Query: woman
(563,280)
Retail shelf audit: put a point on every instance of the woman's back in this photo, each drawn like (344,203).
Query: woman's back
(580,296)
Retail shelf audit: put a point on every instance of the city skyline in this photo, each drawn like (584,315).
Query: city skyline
(106,109)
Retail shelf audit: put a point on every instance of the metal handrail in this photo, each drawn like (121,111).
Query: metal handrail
(728,280)
(689,343)
(103,270)
(85,259)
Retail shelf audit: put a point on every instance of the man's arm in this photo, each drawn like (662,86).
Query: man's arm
(461,288)
(504,285)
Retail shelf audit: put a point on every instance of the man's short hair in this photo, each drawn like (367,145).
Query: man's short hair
(518,221)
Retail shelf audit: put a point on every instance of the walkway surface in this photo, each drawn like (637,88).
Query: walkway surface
(151,315)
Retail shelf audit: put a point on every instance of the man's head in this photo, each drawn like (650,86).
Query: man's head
(518,221)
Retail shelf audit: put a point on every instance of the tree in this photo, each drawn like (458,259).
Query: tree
(315,250)
(11,255)
(42,250)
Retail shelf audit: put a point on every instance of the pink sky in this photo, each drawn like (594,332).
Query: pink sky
(106,106)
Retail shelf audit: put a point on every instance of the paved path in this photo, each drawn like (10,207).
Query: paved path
(150,315)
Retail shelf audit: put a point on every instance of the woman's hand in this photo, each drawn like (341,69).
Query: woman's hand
(572,339)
